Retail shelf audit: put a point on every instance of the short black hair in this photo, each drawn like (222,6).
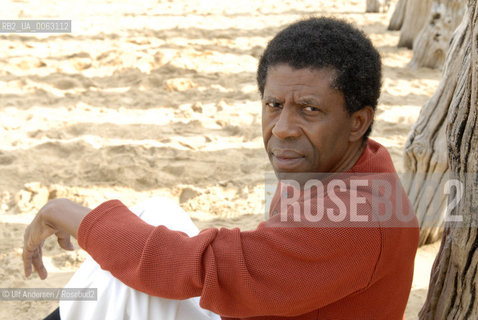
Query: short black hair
(329,43)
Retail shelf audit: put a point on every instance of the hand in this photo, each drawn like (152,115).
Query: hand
(60,217)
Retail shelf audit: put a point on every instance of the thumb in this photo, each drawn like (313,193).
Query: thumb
(64,240)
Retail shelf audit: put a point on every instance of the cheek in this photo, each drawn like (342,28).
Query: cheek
(321,139)
(268,122)
(266,129)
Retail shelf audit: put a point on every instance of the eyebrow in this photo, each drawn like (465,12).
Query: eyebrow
(271,98)
(308,100)
(301,101)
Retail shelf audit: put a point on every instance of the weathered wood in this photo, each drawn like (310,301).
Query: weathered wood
(453,285)
(398,16)
(426,160)
(377,5)
(431,44)
(415,17)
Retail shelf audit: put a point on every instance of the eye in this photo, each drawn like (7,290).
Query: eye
(273,105)
(311,109)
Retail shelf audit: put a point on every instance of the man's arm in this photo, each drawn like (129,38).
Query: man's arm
(283,271)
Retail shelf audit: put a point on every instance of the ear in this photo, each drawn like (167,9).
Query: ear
(361,121)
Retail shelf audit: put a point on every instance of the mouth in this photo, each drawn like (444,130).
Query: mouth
(286,160)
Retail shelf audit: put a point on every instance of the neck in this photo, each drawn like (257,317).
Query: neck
(356,150)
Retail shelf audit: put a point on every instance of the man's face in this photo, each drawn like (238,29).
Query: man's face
(305,125)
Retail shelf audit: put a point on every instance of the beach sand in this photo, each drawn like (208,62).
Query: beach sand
(158,98)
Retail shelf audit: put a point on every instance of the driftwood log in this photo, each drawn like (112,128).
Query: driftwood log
(453,284)
(431,44)
(398,16)
(416,15)
(426,160)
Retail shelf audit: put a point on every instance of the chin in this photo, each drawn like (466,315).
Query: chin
(300,177)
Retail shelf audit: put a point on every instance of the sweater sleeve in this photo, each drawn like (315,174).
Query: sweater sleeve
(266,271)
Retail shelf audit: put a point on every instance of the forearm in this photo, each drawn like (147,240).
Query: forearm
(147,258)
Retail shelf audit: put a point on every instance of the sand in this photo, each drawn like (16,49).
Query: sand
(158,98)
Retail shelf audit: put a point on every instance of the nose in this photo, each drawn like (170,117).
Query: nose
(286,125)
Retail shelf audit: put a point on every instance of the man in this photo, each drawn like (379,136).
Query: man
(333,248)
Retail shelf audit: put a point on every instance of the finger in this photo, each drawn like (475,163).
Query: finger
(37,261)
(27,253)
(27,262)
(64,240)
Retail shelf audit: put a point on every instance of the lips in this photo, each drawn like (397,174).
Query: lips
(286,159)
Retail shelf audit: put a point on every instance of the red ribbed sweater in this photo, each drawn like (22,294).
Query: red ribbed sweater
(340,272)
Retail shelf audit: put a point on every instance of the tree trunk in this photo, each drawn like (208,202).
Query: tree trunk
(453,286)
(415,18)
(426,161)
(431,44)
(398,16)
(377,5)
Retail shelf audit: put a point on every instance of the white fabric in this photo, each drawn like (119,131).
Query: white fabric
(118,301)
